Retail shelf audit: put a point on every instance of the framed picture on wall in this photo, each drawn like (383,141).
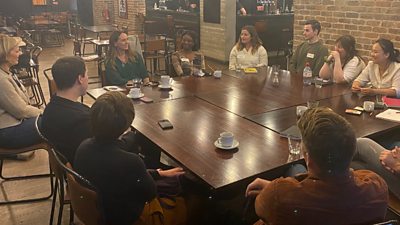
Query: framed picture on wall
(123,8)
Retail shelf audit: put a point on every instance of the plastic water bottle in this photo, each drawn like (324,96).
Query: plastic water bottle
(307,75)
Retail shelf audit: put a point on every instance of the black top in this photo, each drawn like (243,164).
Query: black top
(121,178)
(66,124)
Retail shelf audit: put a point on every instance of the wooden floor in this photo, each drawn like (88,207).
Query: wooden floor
(38,213)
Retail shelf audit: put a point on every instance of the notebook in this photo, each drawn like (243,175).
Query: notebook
(250,70)
(390,114)
(391,102)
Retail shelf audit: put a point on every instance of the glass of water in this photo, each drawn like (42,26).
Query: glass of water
(294,144)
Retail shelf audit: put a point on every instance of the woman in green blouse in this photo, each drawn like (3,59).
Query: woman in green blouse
(122,63)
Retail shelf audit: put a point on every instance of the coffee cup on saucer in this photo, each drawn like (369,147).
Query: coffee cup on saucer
(134,92)
(226,139)
(300,110)
(369,106)
(165,81)
(217,73)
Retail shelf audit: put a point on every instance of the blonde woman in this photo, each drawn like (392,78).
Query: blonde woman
(17,117)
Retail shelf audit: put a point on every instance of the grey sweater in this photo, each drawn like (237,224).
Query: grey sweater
(14,103)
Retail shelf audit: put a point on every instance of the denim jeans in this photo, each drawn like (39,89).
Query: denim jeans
(22,135)
(367,157)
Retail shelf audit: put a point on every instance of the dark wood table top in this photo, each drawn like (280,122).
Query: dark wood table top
(100,28)
(197,125)
(256,94)
(364,124)
(200,108)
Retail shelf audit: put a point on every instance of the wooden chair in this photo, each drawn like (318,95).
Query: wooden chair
(84,40)
(394,204)
(50,81)
(56,165)
(84,198)
(154,50)
(6,153)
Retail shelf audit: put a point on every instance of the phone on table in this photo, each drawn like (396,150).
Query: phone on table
(165,124)
(353,111)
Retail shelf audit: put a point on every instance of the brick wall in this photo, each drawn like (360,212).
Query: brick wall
(366,20)
(98,7)
(217,40)
(134,7)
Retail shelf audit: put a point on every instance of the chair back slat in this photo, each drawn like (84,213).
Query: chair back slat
(83,200)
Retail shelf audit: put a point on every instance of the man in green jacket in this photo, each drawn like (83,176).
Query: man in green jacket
(311,51)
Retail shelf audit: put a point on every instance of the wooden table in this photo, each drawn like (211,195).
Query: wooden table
(255,93)
(197,125)
(364,124)
(101,46)
(98,29)
(249,106)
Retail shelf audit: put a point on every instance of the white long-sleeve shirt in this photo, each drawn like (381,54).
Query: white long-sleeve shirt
(246,59)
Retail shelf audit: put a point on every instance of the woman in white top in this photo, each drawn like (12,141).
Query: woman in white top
(17,117)
(382,74)
(344,64)
(248,51)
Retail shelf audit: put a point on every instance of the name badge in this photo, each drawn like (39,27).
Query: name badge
(310,55)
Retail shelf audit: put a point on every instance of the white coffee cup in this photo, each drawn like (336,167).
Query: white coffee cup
(300,110)
(226,139)
(165,81)
(134,92)
(369,106)
(217,73)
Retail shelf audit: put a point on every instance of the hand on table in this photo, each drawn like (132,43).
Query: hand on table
(355,87)
(367,91)
(171,172)
(254,188)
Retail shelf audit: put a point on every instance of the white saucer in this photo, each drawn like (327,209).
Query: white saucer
(164,87)
(130,96)
(218,145)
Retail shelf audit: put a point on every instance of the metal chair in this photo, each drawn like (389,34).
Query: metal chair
(84,198)
(5,153)
(59,188)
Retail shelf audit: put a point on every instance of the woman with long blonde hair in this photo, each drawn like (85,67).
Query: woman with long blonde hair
(123,63)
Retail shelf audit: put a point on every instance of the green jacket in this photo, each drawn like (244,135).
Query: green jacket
(125,72)
(312,53)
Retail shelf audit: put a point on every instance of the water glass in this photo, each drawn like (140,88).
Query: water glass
(294,144)
(238,68)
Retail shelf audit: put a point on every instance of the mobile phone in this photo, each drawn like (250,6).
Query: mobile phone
(165,124)
(353,111)
(146,99)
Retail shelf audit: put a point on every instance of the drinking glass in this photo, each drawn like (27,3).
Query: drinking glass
(294,144)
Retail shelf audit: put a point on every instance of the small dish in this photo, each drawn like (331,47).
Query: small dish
(234,145)
(137,97)
(164,87)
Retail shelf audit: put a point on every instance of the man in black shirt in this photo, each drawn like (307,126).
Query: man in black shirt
(66,122)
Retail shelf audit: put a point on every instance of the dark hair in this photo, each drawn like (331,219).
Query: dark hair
(193,35)
(348,43)
(314,24)
(112,50)
(255,40)
(388,48)
(329,140)
(66,70)
(111,115)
